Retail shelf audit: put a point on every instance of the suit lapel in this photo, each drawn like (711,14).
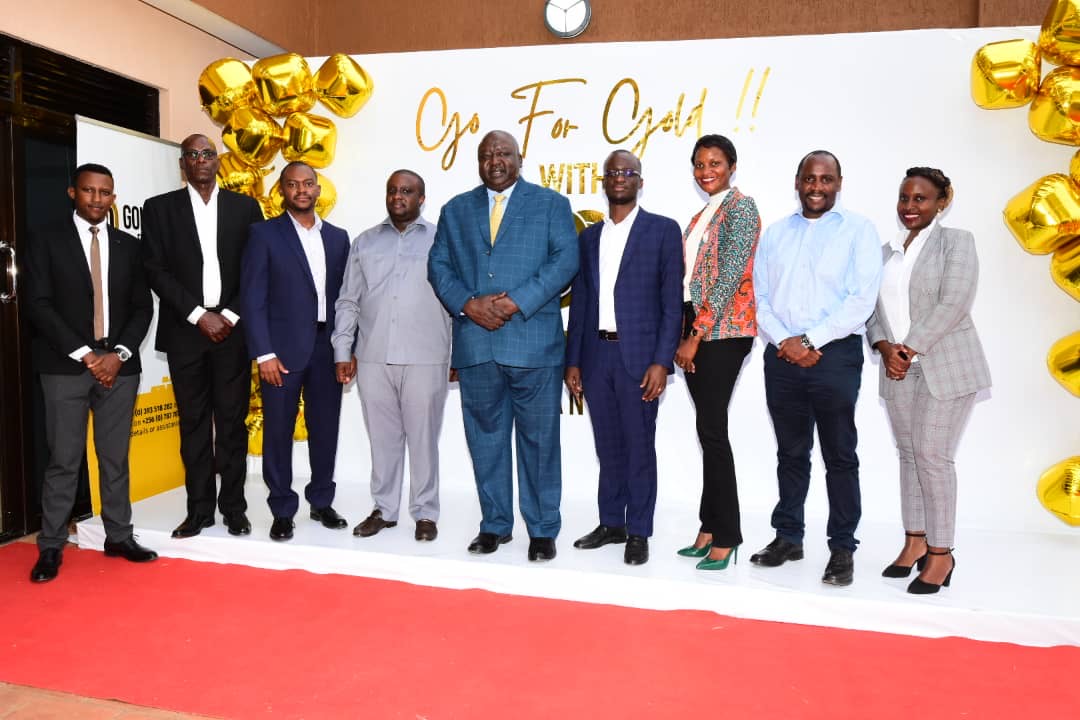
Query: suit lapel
(292,241)
(75,249)
(632,240)
(187,218)
(483,215)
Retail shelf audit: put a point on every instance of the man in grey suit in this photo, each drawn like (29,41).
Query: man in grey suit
(393,335)
(90,307)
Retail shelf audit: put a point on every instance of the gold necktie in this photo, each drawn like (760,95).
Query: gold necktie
(496,216)
(95,279)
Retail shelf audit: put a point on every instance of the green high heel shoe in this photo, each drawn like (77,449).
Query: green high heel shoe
(708,564)
(696,552)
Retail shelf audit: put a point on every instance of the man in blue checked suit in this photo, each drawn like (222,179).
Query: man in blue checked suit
(625,316)
(503,253)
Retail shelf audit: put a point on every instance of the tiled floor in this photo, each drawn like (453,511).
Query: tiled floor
(26,703)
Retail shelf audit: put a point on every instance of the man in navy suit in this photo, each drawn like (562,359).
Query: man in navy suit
(289,281)
(625,314)
(503,253)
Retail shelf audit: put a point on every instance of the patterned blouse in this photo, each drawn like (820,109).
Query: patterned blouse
(721,284)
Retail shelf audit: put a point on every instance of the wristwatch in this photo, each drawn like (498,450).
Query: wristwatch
(806,342)
(123,353)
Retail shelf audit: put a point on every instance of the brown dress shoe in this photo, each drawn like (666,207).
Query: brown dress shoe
(426,530)
(372,524)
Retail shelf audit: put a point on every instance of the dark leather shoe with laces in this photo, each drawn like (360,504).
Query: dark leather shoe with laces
(129,550)
(602,535)
(487,543)
(237,523)
(192,526)
(637,550)
(372,524)
(841,568)
(541,548)
(47,565)
(328,517)
(426,531)
(281,529)
(776,553)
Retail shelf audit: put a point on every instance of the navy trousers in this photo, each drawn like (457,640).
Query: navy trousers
(624,430)
(495,400)
(799,400)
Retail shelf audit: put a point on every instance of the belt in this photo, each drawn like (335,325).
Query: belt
(320,326)
(609,335)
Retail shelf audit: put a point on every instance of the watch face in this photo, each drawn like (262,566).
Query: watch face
(567,18)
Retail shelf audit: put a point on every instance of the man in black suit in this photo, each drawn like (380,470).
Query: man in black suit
(90,308)
(193,239)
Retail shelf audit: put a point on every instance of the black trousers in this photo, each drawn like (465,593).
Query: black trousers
(717,366)
(212,389)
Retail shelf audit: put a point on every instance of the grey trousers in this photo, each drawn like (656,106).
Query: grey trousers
(403,406)
(927,432)
(68,402)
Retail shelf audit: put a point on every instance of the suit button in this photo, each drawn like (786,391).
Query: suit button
(487,252)
(491,275)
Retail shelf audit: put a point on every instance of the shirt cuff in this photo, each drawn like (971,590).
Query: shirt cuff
(342,354)
(77,356)
(124,348)
(264,358)
(230,315)
(197,313)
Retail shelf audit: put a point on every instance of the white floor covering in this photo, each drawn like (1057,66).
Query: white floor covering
(1008,587)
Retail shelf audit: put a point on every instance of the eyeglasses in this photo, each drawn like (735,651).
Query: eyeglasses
(194,155)
(625,172)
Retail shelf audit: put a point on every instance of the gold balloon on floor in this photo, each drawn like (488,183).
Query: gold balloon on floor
(254,419)
(310,138)
(284,83)
(1065,268)
(253,136)
(1059,490)
(1063,360)
(236,175)
(342,85)
(1059,36)
(1045,215)
(1005,74)
(224,86)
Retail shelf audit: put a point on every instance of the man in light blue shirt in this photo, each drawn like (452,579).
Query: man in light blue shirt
(816,277)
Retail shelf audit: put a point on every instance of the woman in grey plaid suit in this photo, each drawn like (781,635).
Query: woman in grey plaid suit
(932,366)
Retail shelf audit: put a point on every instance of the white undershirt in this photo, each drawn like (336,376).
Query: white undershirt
(697,234)
(206,225)
(896,280)
(613,239)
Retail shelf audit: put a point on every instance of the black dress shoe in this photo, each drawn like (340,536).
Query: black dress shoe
(602,535)
(237,523)
(487,543)
(129,550)
(281,529)
(328,517)
(637,550)
(541,548)
(192,526)
(776,553)
(841,568)
(47,565)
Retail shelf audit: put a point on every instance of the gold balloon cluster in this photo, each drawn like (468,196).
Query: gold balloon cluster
(244,102)
(1045,216)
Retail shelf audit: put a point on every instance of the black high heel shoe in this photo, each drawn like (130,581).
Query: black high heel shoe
(920,587)
(902,571)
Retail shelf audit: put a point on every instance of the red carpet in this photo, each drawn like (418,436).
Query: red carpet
(236,642)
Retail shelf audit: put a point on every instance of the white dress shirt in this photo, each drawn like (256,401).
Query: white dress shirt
(697,233)
(206,224)
(896,280)
(613,239)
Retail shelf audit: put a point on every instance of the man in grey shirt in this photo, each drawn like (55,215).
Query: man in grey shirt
(392,334)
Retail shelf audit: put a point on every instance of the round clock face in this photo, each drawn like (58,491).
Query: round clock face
(567,18)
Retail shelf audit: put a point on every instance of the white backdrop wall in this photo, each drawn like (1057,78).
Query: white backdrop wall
(882,102)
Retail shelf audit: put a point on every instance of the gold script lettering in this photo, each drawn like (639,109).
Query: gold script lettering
(453,127)
(644,127)
(562,126)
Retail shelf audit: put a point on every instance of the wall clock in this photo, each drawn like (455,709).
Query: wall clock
(567,18)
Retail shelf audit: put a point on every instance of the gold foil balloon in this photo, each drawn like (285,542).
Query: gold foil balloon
(585,218)
(253,136)
(1064,362)
(1005,74)
(310,138)
(342,85)
(1059,490)
(1055,112)
(236,175)
(1065,268)
(1045,215)
(326,202)
(1059,37)
(284,84)
(224,86)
